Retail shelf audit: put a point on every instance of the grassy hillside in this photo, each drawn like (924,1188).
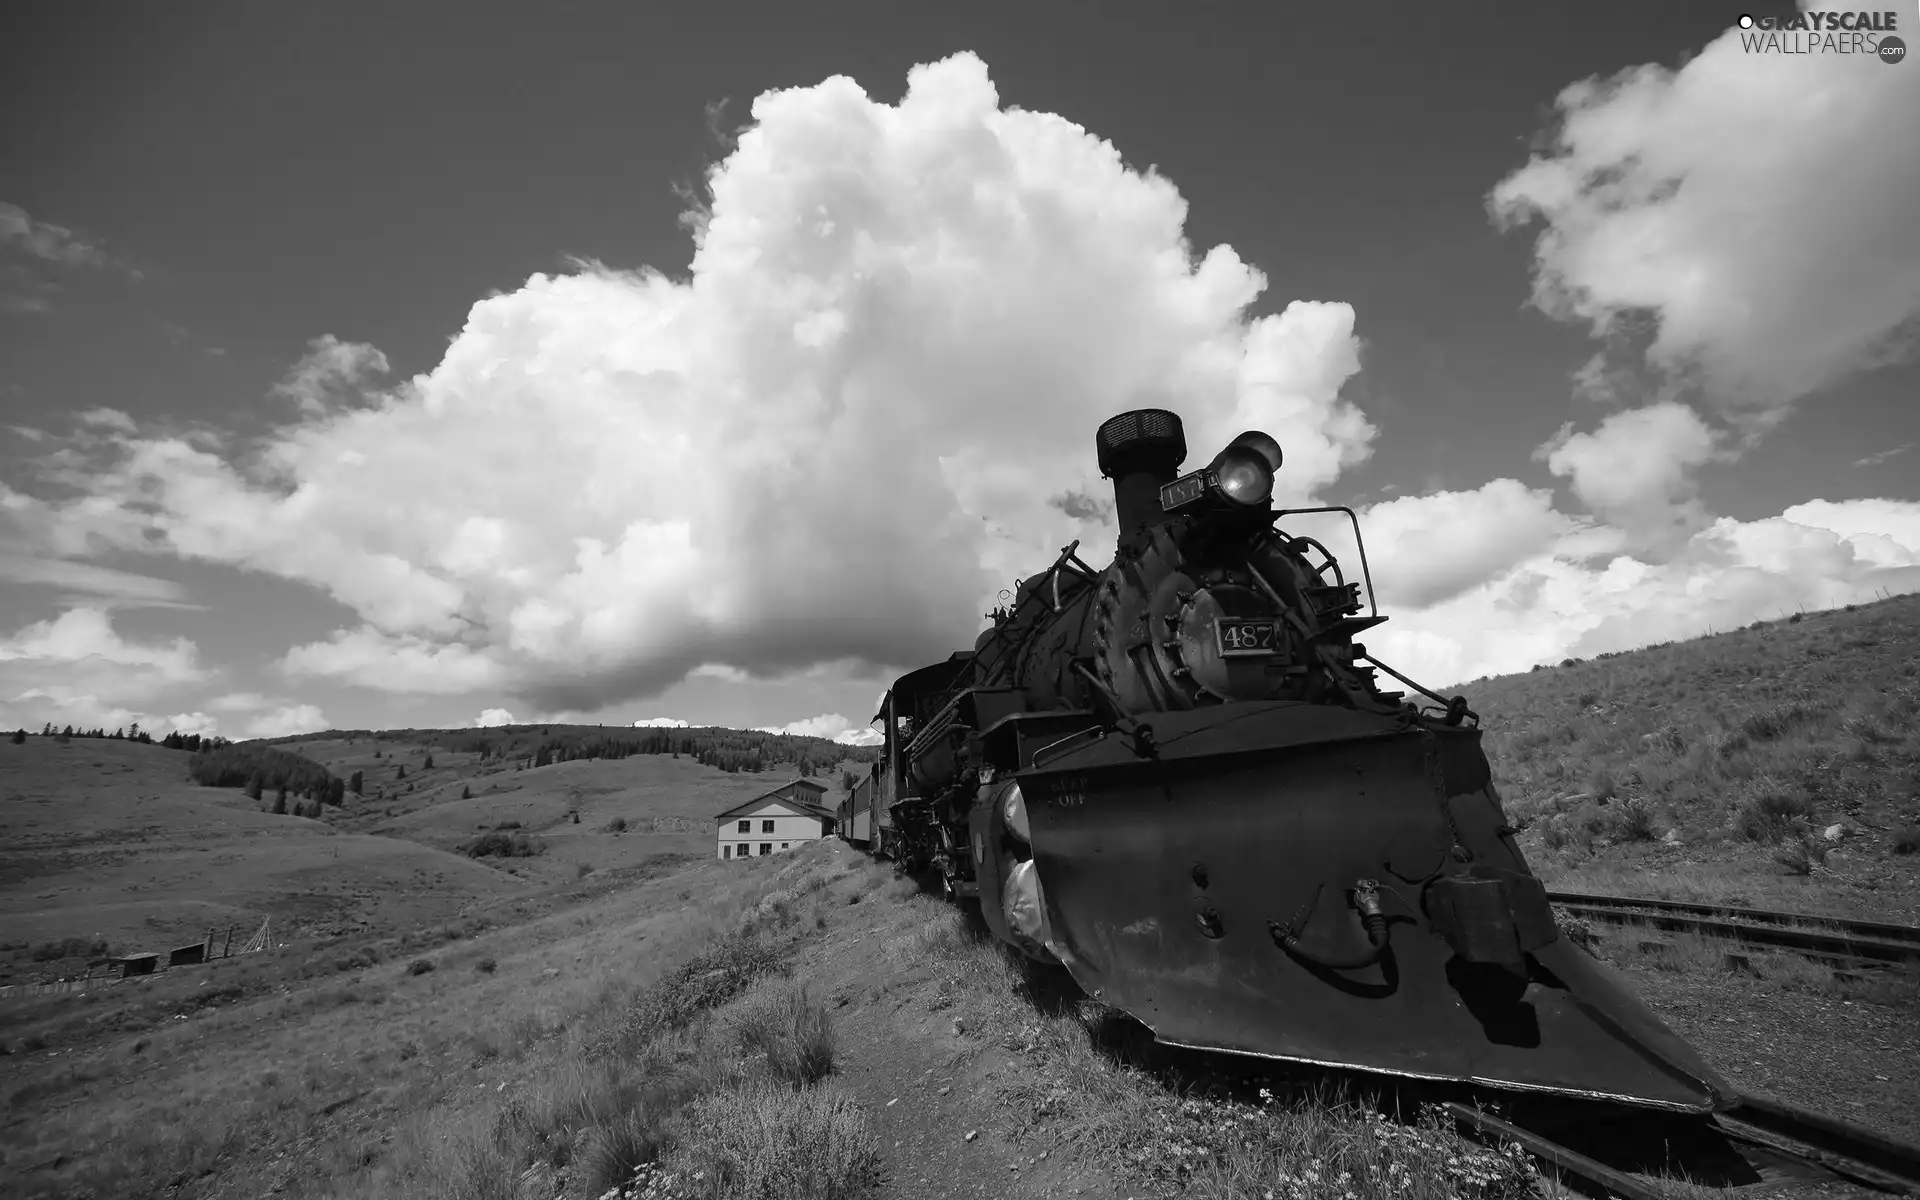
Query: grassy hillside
(1715,768)
(109,840)
(629,808)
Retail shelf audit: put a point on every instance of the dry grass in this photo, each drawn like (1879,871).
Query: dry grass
(474,1076)
(1721,761)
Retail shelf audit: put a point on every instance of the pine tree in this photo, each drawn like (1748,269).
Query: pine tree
(428,765)
(280,803)
(400,771)
(254,787)
(466,793)
(357,783)
(19,736)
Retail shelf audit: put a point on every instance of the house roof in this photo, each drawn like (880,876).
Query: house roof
(800,808)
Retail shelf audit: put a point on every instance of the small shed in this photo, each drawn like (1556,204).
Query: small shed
(186,956)
(135,964)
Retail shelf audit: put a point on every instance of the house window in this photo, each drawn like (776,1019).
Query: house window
(766,847)
(766,827)
(746,827)
(726,852)
(783,845)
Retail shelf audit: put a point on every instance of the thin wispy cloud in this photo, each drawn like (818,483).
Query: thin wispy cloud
(56,244)
(1874,460)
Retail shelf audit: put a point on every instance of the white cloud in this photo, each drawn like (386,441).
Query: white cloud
(240,702)
(1570,601)
(491,717)
(1425,549)
(83,641)
(659,723)
(1637,469)
(900,320)
(190,722)
(287,721)
(1757,206)
(77,669)
(396,664)
(331,370)
(832,726)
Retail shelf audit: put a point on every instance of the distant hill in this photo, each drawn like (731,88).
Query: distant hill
(110,840)
(730,750)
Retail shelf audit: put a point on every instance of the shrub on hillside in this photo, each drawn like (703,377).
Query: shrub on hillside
(496,844)
(1772,816)
(73,947)
(704,982)
(766,1140)
(790,1030)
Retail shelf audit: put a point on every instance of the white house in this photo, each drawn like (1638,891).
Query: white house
(788,816)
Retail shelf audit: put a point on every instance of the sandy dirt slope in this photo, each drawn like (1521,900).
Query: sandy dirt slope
(925,1079)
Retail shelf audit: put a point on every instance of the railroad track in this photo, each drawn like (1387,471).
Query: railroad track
(1822,937)
(1759,1144)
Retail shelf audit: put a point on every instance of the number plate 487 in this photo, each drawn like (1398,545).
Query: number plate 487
(1235,638)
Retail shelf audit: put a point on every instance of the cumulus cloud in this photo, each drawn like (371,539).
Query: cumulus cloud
(77,669)
(1637,469)
(286,721)
(1579,597)
(832,726)
(659,723)
(1754,207)
(833,442)
(1427,549)
(492,717)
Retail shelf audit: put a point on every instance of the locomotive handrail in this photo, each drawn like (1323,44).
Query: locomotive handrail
(1366,573)
(1067,555)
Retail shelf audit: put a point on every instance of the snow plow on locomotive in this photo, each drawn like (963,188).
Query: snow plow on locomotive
(1178,778)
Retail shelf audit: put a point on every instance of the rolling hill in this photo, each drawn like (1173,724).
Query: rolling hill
(1776,765)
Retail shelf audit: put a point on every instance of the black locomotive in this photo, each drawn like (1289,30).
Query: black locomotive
(1179,778)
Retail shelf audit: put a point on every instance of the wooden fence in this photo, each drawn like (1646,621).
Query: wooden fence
(112,973)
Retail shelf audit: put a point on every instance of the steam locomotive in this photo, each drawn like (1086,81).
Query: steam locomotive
(1179,778)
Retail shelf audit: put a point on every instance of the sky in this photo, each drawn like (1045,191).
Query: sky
(436,365)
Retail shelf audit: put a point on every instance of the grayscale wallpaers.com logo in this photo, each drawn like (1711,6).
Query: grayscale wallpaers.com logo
(1861,33)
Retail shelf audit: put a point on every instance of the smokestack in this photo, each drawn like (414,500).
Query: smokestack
(1140,451)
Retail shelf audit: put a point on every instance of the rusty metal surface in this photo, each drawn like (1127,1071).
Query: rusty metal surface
(1165,880)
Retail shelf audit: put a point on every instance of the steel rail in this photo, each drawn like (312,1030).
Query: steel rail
(1774,933)
(1831,1147)
(1758,916)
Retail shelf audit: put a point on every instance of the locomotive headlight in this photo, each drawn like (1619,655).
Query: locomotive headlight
(1014,806)
(1242,475)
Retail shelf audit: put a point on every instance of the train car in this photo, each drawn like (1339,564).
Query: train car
(856,811)
(1178,778)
